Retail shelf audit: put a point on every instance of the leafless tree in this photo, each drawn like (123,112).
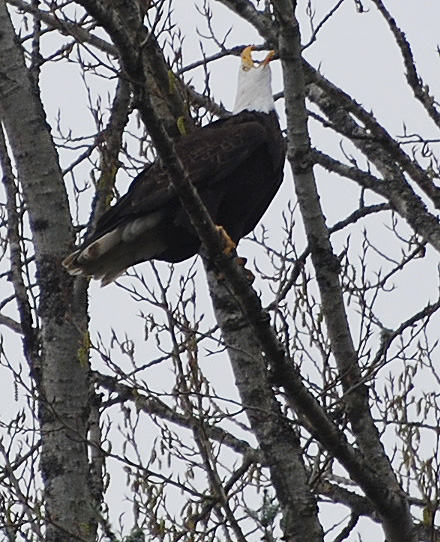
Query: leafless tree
(292,411)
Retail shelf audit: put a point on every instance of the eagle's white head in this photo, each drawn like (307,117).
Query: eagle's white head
(254,85)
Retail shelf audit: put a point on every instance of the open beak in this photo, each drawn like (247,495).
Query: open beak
(268,58)
(246,57)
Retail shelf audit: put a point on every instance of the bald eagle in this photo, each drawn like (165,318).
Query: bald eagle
(236,164)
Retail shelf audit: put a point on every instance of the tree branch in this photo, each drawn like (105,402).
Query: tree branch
(395,190)
(421,91)
(369,136)
(61,379)
(391,501)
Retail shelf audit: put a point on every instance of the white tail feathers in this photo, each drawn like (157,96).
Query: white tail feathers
(110,255)
(102,245)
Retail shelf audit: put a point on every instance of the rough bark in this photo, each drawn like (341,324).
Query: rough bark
(385,155)
(61,375)
(280,445)
(276,438)
(393,505)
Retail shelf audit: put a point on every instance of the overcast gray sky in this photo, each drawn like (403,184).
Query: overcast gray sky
(356,52)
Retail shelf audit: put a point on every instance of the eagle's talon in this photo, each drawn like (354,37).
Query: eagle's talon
(228,244)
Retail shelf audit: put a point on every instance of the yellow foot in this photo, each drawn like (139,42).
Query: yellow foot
(228,244)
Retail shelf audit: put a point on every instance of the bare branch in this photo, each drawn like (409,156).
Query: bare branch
(421,91)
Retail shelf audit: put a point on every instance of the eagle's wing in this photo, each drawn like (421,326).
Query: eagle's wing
(208,155)
(131,230)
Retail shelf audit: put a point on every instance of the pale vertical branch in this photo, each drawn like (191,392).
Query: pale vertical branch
(394,503)
(63,387)
(277,439)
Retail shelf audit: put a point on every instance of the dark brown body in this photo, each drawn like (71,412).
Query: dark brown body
(236,164)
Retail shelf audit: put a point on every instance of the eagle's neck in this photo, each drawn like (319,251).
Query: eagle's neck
(254,90)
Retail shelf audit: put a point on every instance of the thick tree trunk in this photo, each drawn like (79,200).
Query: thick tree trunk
(61,372)
(391,501)
(276,437)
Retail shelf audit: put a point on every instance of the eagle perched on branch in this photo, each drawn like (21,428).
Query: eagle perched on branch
(236,164)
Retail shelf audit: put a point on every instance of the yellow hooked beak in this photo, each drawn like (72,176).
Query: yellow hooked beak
(246,58)
(268,58)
